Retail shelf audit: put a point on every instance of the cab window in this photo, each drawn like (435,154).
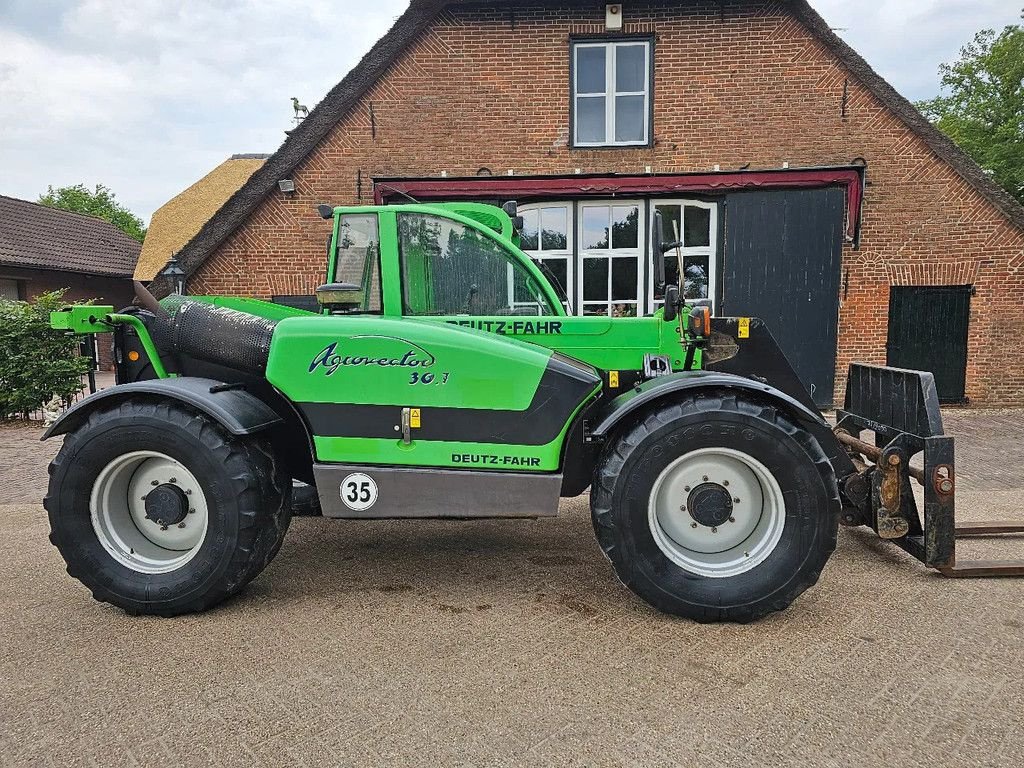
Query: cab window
(452,269)
(357,259)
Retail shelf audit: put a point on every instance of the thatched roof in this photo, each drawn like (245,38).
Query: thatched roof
(179,219)
(36,236)
(417,18)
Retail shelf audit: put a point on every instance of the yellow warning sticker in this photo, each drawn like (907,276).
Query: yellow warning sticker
(414,418)
(613,379)
(744,328)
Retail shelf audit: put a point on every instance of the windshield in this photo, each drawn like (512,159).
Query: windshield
(449,268)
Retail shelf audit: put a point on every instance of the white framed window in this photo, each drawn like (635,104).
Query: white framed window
(695,223)
(547,237)
(611,93)
(610,252)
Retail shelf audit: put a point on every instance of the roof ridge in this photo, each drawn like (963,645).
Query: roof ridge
(65,211)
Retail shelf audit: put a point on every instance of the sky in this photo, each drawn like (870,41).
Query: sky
(147,96)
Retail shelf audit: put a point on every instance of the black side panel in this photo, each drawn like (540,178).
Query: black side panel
(928,332)
(782,262)
(566,383)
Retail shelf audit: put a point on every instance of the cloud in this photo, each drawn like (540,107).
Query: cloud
(906,40)
(148,96)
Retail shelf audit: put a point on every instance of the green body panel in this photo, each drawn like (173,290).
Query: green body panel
(407,363)
(371,360)
(610,344)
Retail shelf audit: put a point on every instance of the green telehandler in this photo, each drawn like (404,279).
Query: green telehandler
(442,377)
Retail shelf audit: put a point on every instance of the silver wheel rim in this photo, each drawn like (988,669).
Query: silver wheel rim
(118,509)
(756,512)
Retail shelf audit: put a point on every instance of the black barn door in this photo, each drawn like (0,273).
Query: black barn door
(782,262)
(928,332)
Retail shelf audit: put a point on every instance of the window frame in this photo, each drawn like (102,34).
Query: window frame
(568,254)
(712,250)
(609,44)
(610,254)
(334,257)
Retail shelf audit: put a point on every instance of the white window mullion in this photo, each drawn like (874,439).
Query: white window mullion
(609,103)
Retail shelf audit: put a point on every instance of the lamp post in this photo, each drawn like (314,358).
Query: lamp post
(175,274)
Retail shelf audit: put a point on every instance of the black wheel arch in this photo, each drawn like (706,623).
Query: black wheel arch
(232,405)
(626,408)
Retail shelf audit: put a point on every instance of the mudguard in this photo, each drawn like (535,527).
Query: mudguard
(664,387)
(235,409)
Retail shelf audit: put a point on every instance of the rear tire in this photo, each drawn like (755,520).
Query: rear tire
(716,508)
(216,507)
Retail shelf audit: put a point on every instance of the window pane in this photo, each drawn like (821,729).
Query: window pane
(698,227)
(623,310)
(590,120)
(595,227)
(625,232)
(557,271)
(529,238)
(624,283)
(695,284)
(630,118)
(630,68)
(554,229)
(595,279)
(672,269)
(450,269)
(9,290)
(590,69)
(358,258)
(671,227)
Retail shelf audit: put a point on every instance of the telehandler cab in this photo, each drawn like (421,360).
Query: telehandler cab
(443,378)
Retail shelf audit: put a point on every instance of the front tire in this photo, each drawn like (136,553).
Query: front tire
(716,508)
(157,509)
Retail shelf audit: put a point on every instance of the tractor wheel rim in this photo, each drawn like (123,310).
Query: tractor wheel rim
(156,538)
(717,512)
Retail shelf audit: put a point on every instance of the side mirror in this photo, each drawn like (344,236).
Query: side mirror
(671,303)
(658,254)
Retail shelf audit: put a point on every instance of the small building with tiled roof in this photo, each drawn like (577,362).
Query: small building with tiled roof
(179,219)
(47,249)
(44,249)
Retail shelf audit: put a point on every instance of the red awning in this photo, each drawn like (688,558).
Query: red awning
(579,185)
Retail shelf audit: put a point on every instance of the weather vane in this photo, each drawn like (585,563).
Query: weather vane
(301,110)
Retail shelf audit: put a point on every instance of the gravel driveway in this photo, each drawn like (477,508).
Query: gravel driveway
(511,643)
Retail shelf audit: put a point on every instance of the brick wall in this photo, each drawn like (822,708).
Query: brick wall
(734,84)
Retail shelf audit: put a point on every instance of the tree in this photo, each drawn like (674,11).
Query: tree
(101,203)
(982,108)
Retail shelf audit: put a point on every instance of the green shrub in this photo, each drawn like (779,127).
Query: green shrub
(36,362)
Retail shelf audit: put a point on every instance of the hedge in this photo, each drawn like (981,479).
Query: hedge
(36,361)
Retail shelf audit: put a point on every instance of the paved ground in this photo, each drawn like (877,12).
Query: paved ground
(510,643)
